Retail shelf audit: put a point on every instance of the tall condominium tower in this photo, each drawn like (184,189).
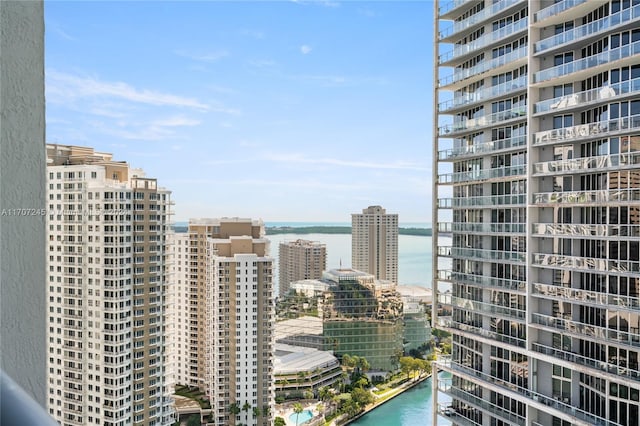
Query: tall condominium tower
(225,317)
(536,184)
(300,260)
(374,243)
(107,284)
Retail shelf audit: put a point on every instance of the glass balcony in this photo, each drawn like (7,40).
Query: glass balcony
(499,172)
(485,308)
(592,28)
(484,66)
(582,330)
(447,7)
(482,148)
(478,331)
(481,280)
(618,370)
(602,58)
(501,228)
(613,301)
(486,120)
(586,263)
(482,404)
(556,9)
(571,230)
(580,165)
(508,87)
(484,14)
(603,128)
(555,404)
(587,197)
(485,254)
(485,40)
(589,96)
(486,201)
(448,412)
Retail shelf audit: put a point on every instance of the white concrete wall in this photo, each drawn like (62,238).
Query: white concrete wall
(22,186)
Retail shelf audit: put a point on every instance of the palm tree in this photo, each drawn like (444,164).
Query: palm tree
(256,412)
(246,406)
(266,411)
(297,408)
(234,409)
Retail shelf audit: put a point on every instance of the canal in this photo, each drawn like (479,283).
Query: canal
(411,408)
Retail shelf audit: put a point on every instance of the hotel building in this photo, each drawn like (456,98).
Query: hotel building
(300,260)
(107,284)
(537,205)
(374,243)
(224,318)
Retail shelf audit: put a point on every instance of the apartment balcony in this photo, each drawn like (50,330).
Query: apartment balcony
(540,401)
(473,331)
(458,153)
(474,124)
(446,9)
(582,165)
(460,27)
(483,175)
(449,413)
(579,198)
(496,65)
(581,68)
(485,254)
(483,95)
(586,230)
(613,302)
(587,264)
(622,371)
(583,99)
(483,201)
(461,50)
(482,281)
(619,19)
(482,307)
(563,10)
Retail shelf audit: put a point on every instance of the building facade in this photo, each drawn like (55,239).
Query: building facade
(300,260)
(225,316)
(536,183)
(374,243)
(107,284)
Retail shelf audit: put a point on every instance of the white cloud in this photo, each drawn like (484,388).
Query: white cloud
(63,88)
(203,56)
(305,49)
(300,159)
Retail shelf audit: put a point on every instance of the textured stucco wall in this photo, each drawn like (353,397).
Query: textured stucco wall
(23,348)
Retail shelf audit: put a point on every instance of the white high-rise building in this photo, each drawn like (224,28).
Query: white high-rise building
(300,260)
(107,284)
(374,243)
(536,200)
(225,318)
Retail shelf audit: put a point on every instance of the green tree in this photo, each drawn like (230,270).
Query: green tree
(323,393)
(279,421)
(407,365)
(297,408)
(234,409)
(193,420)
(256,412)
(246,406)
(361,397)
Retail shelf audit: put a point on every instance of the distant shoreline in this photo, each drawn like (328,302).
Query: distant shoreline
(274,230)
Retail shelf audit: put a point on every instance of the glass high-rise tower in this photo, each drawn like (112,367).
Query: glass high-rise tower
(537,200)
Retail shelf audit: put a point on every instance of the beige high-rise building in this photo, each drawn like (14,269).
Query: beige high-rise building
(300,260)
(374,243)
(107,285)
(224,312)
(536,200)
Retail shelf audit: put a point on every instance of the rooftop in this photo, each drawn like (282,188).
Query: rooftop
(293,359)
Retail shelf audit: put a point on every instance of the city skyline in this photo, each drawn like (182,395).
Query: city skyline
(323,103)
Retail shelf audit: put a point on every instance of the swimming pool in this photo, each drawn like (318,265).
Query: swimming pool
(304,416)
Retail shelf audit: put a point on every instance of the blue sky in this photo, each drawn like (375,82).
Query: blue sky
(285,111)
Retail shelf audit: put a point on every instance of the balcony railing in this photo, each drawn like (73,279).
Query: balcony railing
(502,228)
(509,87)
(481,280)
(479,331)
(483,66)
(485,40)
(449,6)
(485,120)
(603,128)
(579,165)
(614,301)
(482,307)
(588,96)
(586,263)
(583,330)
(571,230)
(481,148)
(602,58)
(484,405)
(485,254)
(622,17)
(588,197)
(474,19)
(488,201)
(557,8)
(498,172)
(612,368)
